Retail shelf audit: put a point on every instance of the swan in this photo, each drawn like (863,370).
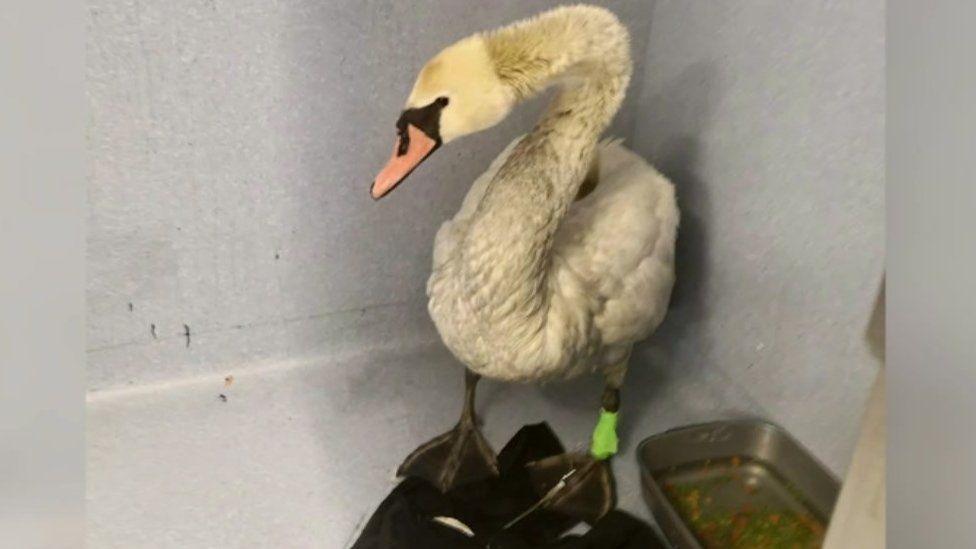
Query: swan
(561,256)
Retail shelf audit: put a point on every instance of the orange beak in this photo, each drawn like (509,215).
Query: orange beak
(408,153)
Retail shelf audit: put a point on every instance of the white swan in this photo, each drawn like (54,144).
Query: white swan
(562,255)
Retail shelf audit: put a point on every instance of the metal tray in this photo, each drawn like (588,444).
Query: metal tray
(771,468)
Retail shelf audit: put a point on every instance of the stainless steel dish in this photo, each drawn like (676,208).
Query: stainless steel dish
(772,471)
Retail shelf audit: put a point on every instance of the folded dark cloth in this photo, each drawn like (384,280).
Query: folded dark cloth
(616,530)
(417,516)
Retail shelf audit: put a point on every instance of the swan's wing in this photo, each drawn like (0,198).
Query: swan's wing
(447,236)
(615,248)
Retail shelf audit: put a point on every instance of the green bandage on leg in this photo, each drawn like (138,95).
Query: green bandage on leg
(605,436)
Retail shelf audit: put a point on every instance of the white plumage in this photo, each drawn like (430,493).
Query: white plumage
(609,281)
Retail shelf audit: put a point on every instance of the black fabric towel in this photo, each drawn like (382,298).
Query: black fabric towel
(406,518)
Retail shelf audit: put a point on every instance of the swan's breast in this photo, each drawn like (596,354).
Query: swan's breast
(608,285)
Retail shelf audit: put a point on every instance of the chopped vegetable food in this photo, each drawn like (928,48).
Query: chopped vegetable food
(751,526)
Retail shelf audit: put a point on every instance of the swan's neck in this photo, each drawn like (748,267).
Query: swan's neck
(585,52)
(582,49)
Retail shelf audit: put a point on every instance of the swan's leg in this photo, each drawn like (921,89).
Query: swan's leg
(581,484)
(605,441)
(457,457)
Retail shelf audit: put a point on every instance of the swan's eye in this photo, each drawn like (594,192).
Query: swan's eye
(442,101)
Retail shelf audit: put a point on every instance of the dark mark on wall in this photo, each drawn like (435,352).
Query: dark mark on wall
(152,330)
(223,397)
(351,311)
(130,306)
(186,333)
(277,255)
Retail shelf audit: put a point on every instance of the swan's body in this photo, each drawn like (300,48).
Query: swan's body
(607,284)
(533,279)
(529,284)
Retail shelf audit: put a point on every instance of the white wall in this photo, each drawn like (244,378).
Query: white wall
(769,117)
(232,147)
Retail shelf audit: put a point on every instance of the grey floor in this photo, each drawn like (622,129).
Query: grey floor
(299,454)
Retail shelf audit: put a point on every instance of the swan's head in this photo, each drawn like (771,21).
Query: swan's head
(457,92)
